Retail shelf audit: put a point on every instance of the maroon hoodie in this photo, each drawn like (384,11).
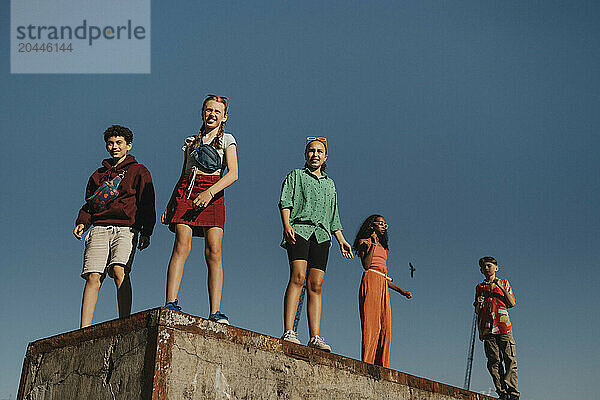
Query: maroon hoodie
(134,206)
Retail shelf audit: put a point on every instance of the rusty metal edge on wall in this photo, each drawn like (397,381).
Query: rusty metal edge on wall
(162,322)
(196,325)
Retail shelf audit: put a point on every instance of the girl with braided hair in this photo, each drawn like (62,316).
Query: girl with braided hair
(197,206)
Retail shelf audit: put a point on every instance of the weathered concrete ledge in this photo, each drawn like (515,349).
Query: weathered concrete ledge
(164,354)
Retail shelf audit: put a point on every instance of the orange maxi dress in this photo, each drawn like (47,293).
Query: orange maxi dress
(375,311)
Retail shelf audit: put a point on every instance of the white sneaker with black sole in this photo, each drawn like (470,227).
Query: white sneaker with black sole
(317,342)
(290,336)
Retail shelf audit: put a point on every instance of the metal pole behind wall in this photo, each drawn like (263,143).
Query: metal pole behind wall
(299,309)
(467,384)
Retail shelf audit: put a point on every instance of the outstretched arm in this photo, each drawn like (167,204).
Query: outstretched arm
(398,289)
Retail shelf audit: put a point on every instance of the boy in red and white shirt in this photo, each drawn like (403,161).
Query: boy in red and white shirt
(493,297)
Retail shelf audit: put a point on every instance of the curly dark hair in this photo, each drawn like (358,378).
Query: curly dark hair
(118,130)
(366,229)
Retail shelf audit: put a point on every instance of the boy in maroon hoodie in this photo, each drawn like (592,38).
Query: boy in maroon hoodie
(119,205)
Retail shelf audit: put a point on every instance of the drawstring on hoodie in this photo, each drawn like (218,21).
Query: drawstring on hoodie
(107,175)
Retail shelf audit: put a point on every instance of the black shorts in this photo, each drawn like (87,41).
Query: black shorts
(314,253)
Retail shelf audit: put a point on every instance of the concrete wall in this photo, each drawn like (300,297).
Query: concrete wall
(163,354)
(99,362)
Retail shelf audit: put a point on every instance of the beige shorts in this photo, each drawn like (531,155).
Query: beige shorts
(106,246)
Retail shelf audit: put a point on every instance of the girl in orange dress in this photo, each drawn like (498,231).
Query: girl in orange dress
(371,245)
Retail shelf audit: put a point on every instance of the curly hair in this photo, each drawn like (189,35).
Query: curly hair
(216,143)
(118,130)
(365,230)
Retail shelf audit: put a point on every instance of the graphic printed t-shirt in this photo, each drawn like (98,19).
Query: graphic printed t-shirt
(493,316)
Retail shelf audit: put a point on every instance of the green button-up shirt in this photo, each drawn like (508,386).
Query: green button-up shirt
(313,205)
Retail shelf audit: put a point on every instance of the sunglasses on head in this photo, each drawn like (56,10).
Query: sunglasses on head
(214,95)
(320,139)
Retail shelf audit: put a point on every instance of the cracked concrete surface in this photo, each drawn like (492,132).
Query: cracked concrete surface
(163,354)
(230,371)
(98,369)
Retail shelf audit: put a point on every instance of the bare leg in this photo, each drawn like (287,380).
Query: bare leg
(123,284)
(292,292)
(212,253)
(313,308)
(93,281)
(181,250)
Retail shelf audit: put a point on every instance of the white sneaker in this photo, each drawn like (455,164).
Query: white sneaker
(317,342)
(290,336)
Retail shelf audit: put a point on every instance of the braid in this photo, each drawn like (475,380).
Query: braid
(217,141)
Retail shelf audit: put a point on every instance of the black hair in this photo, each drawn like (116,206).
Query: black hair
(365,230)
(118,130)
(487,259)
(324,166)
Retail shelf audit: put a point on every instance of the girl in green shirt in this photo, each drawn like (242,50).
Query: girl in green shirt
(309,215)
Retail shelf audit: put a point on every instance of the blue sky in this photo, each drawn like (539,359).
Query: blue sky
(471,126)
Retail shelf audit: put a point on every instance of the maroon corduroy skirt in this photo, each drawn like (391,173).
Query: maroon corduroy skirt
(198,218)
